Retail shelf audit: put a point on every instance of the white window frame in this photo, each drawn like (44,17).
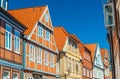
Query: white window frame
(6,4)
(8,37)
(47,38)
(46,55)
(40,31)
(17,50)
(7,72)
(39,55)
(52,60)
(17,75)
(32,52)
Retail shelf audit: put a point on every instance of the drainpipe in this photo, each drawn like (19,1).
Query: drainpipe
(23,58)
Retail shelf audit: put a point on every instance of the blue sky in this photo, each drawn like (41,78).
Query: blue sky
(84,18)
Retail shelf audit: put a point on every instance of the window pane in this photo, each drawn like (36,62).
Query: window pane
(6,39)
(8,27)
(6,75)
(15,76)
(40,31)
(17,33)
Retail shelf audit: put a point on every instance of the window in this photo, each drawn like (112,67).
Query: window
(87,73)
(40,31)
(6,75)
(84,72)
(47,35)
(39,55)
(90,74)
(30,78)
(32,52)
(15,75)
(46,58)
(52,60)
(57,67)
(8,37)
(46,17)
(17,41)
(4,4)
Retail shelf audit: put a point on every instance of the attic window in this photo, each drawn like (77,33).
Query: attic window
(46,17)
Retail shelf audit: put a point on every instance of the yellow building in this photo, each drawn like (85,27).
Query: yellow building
(70,58)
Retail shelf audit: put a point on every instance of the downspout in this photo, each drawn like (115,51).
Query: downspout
(112,54)
(23,58)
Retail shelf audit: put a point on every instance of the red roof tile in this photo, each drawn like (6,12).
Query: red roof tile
(28,16)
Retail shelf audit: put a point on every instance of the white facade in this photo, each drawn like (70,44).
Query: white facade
(98,72)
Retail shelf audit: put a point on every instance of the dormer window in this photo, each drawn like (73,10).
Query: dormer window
(4,4)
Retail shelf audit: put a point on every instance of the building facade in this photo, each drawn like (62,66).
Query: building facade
(40,52)
(105,59)
(70,58)
(112,24)
(98,69)
(11,42)
(87,64)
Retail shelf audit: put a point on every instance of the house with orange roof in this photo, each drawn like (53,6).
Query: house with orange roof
(11,42)
(87,64)
(105,59)
(98,67)
(70,58)
(40,53)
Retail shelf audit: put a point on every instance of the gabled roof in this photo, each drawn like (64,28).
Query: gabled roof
(61,35)
(11,17)
(28,16)
(92,48)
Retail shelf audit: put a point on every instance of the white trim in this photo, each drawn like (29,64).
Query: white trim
(43,14)
(29,36)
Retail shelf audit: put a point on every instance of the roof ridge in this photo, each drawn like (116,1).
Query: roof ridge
(28,7)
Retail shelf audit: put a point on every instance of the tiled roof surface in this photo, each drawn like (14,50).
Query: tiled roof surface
(28,16)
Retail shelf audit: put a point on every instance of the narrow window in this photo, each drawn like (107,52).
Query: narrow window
(4,4)
(39,55)
(46,57)
(47,35)
(17,41)
(32,53)
(51,60)
(8,37)
(15,75)
(40,31)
